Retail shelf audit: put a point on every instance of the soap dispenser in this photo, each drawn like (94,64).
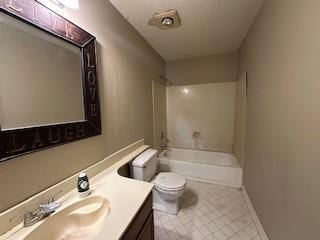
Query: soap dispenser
(83,185)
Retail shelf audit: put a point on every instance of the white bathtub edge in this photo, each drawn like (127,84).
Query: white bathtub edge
(254,215)
(213,182)
(231,178)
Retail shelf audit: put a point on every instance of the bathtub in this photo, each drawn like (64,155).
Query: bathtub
(206,166)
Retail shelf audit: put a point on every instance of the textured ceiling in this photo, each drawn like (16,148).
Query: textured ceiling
(208,26)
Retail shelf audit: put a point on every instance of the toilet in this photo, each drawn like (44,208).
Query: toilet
(168,186)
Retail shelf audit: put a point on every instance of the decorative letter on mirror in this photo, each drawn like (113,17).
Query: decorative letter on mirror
(48,84)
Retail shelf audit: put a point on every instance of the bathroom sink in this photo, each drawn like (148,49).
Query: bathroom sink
(80,221)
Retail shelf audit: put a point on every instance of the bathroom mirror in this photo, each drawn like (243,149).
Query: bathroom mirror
(48,85)
(32,91)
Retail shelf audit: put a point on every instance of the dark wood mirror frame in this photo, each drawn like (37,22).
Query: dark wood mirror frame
(16,142)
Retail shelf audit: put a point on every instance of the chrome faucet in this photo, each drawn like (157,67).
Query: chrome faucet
(44,210)
(163,145)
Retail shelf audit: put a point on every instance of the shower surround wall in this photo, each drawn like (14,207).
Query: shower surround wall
(209,105)
(208,109)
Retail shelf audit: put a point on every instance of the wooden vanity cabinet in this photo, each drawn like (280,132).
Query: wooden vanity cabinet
(142,226)
(147,232)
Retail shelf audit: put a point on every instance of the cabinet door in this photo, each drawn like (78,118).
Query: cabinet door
(138,223)
(147,232)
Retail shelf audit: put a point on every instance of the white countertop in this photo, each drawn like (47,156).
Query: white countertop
(125,195)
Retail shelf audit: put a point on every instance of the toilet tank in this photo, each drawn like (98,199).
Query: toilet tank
(144,166)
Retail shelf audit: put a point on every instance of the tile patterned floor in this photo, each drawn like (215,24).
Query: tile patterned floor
(208,212)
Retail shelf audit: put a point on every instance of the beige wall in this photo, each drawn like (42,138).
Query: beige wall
(127,66)
(204,108)
(210,69)
(282,161)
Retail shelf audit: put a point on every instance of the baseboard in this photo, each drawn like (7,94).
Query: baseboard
(254,215)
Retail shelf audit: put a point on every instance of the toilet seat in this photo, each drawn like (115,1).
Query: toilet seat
(170,192)
(169,182)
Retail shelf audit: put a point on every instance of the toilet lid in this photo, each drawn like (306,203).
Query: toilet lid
(168,180)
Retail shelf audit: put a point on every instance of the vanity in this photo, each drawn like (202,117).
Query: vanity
(142,227)
(117,208)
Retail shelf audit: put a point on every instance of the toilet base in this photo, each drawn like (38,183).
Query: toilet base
(168,206)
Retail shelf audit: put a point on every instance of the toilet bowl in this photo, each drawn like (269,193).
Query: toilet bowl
(168,186)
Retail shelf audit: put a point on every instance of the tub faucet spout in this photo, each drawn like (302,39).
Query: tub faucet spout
(164,141)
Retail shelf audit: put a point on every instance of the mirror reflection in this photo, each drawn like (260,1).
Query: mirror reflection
(44,71)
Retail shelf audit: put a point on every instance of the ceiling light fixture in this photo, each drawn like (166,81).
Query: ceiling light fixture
(166,20)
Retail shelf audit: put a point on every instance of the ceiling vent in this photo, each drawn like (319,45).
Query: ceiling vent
(166,20)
